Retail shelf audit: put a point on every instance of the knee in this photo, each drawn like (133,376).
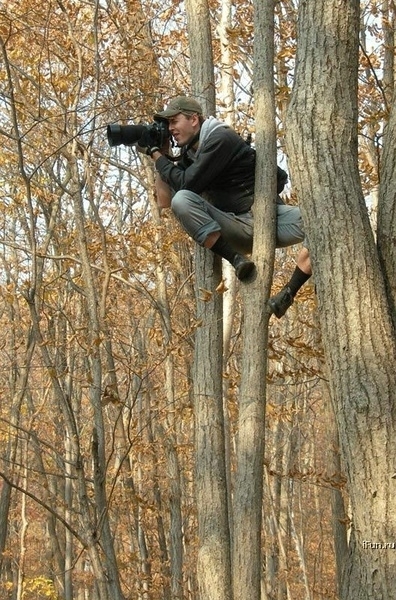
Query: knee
(180,204)
(176,202)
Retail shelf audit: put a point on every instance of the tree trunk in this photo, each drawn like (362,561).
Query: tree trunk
(247,555)
(226,96)
(18,385)
(386,210)
(357,330)
(110,584)
(338,510)
(173,467)
(22,543)
(214,560)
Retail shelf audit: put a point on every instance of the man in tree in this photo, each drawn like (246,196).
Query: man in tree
(210,188)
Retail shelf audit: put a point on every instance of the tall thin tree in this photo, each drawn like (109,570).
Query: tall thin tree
(247,556)
(214,563)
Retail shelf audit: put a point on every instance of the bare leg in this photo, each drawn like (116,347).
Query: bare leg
(211,239)
(304,261)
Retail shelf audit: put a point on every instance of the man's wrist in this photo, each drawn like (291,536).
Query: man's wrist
(150,151)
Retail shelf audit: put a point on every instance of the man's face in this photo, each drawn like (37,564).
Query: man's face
(183,128)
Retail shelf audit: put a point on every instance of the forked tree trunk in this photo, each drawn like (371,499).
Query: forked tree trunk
(358,335)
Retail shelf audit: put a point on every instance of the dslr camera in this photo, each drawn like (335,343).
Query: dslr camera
(155,134)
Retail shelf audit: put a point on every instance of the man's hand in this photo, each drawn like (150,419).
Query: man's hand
(149,139)
(147,150)
(140,149)
(150,150)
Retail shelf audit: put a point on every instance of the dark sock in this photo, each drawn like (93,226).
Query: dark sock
(297,280)
(223,249)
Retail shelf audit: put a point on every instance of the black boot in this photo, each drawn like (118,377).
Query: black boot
(244,267)
(279,303)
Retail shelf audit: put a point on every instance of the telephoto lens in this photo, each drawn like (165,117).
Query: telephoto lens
(156,134)
(124,134)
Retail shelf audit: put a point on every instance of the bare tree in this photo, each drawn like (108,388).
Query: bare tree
(214,560)
(247,557)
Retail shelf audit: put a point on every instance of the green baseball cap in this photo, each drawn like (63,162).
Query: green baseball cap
(181,104)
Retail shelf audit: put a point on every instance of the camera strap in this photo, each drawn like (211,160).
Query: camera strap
(192,142)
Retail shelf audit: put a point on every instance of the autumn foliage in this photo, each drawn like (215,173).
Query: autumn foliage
(98,311)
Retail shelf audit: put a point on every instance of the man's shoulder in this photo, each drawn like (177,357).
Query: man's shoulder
(221,133)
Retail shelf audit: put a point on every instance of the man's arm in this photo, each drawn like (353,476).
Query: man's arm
(214,156)
(163,192)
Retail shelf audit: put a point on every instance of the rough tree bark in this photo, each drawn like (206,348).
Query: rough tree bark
(214,562)
(355,316)
(387,210)
(247,555)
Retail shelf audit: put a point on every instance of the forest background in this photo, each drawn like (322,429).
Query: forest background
(100,313)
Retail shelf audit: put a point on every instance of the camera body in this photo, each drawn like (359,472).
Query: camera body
(154,134)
